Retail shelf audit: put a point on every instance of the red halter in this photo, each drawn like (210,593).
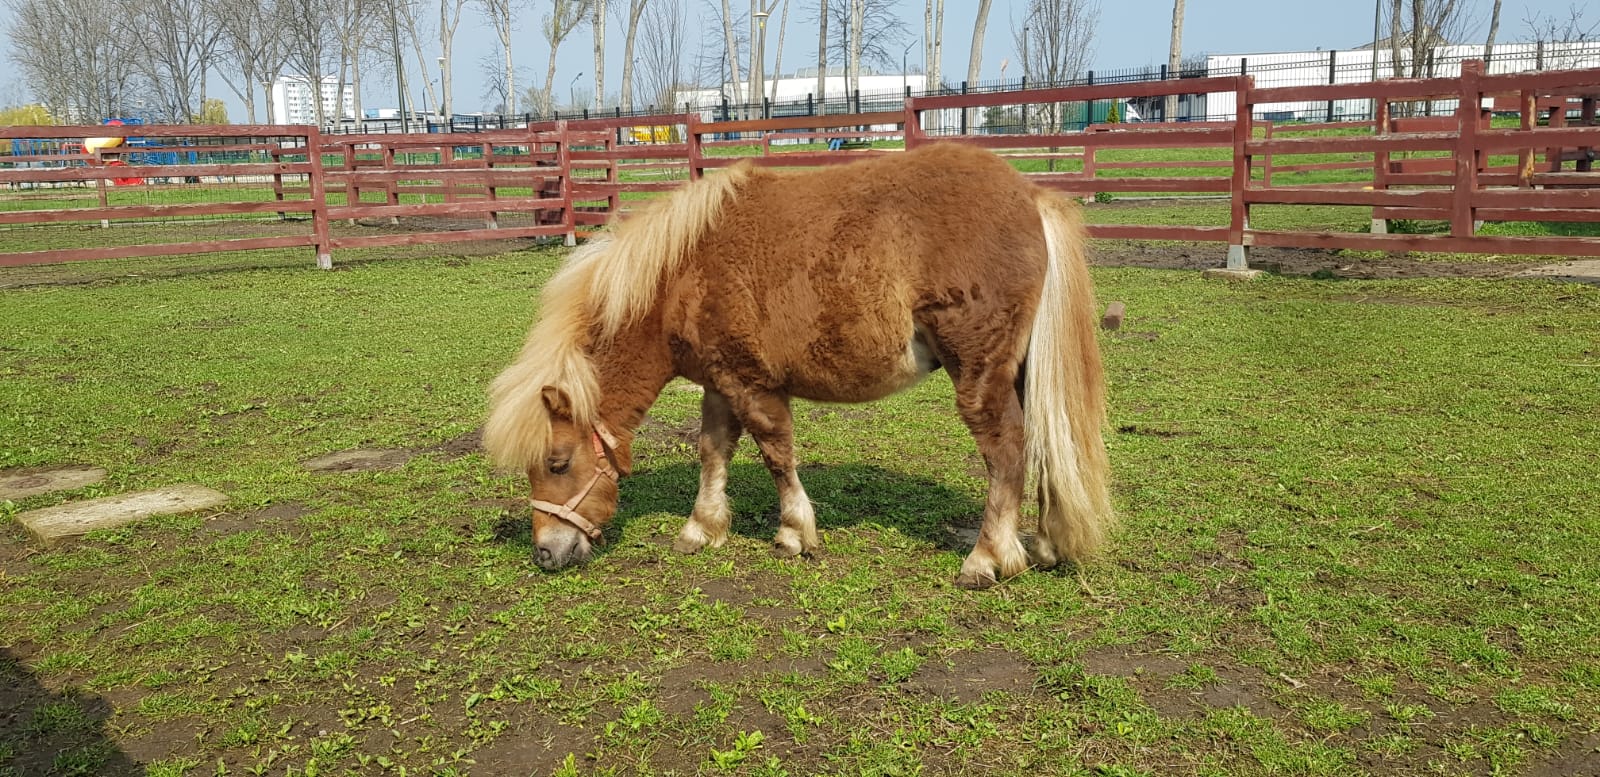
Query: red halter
(604,445)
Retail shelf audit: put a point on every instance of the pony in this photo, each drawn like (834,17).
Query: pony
(840,284)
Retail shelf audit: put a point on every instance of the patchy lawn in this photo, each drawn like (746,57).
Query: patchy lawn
(1359,534)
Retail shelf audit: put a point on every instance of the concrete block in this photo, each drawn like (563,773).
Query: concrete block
(18,485)
(73,519)
(1231,275)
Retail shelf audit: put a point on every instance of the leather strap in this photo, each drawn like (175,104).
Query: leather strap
(604,443)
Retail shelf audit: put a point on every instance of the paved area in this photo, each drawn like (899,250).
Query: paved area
(1575,271)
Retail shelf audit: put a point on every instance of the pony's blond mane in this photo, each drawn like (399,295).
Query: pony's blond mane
(607,284)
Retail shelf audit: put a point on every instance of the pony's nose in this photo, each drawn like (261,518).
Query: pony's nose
(544,555)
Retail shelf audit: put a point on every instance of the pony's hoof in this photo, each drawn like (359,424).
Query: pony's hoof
(784,550)
(692,539)
(973,581)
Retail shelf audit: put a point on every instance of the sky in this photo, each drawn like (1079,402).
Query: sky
(1131,33)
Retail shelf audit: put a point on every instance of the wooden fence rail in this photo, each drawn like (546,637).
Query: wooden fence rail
(559,179)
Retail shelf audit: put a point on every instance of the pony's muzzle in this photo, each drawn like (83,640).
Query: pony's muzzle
(558,546)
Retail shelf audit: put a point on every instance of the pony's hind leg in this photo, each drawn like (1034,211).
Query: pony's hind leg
(771,423)
(987,399)
(719,436)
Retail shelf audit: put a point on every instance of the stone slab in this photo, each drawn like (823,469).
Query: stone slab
(359,460)
(1575,271)
(19,485)
(73,519)
(1231,275)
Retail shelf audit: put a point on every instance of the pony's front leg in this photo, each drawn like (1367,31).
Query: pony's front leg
(719,436)
(770,422)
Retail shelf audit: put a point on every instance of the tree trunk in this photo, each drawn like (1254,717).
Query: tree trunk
(975,60)
(635,10)
(822,58)
(550,82)
(1395,64)
(1174,58)
(858,10)
(599,23)
(935,68)
(777,60)
(511,73)
(730,52)
(1494,26)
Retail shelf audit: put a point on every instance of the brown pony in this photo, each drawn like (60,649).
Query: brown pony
(841,284)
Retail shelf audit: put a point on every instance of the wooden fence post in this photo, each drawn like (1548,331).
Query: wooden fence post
(321,237)
(1380,163)
(1468,117)
(569,218)
(1239,212)
(692,137)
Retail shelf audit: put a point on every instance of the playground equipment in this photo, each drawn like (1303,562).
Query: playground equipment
(95,147)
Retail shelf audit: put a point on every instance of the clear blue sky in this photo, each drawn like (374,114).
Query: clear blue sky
(1131,33)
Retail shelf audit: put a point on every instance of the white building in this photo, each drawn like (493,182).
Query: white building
(292,100)
(1306,68)
(792,91)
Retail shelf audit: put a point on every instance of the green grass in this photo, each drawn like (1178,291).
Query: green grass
(1357,524)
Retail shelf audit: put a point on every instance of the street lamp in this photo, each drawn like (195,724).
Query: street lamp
(904,81)
(444,88)
(758,80)
(572,90)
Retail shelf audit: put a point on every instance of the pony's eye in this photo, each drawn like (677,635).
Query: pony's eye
(560,467)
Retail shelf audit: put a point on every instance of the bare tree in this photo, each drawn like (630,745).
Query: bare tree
(730,52)
(870,39)
(822,55)
(564,17)
(496,86)
(635,13)
(662,53)
(250,49)
(777,62)
(408,14)
(597,20)
(933,41)
(449,20)
(179,39)
(1174,58)
(1549,31)
(501,14)
(81,68)
(1055,41)
(975,58)
(309,47)
(1494,26)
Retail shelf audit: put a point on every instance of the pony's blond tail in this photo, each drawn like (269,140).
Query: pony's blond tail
(1064,398)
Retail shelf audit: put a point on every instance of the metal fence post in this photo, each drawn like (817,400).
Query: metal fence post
(965,112)
(1332,75)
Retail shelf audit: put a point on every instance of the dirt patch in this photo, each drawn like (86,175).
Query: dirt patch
(460,445)
(1295,261)
(1579,756)
(266,518)
(965,676)
(358,460)
(1152,674)
(536,747)
(686,432)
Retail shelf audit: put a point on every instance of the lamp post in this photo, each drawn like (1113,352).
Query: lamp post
(905,82)
(444,91)
(758,74)
(572,90)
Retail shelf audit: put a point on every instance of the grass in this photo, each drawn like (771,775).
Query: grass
(1357,535)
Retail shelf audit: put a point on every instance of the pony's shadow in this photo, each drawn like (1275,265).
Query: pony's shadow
(56,733)
(843,495)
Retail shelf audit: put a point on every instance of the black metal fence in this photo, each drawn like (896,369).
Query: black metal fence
(1294,69)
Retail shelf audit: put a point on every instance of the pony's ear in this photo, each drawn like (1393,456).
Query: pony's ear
(557,402)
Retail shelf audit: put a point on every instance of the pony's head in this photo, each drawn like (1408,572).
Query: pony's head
(574,486)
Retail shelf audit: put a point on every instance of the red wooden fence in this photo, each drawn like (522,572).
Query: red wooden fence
(557,178)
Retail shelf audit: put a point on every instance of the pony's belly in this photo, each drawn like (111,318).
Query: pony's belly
(868,376)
